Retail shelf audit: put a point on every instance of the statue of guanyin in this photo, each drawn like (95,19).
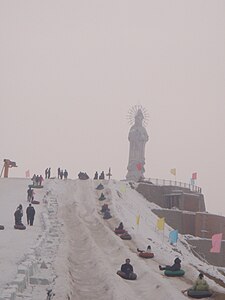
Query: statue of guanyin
(137,137)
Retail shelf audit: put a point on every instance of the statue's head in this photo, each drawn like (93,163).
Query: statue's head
(139,117)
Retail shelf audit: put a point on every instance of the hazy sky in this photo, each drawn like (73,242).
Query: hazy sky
(71,70)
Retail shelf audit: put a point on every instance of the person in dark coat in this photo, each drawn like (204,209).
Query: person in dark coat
(49,173)
(96,175)
(41,179)
(30,211)
(107,214)
(46,173)
(65,174)
(18,215)
(120,226)
(58,170)
(30,194)
(102,175)
(127,268)
(105,207)
(175,267)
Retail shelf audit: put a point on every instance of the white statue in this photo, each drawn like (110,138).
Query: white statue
(137,137)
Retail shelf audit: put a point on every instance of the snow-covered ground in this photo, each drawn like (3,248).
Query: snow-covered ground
(74,251)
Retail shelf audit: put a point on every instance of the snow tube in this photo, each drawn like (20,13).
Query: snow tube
(35,186)
(106,217)
(2,227)
(132,276)
(20,227)
(100,187)
(174,273)
(119,231)
(35,202)
(125,236)
(146,254)
(198,294)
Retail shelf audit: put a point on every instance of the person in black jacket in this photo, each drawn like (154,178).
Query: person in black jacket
(175,267)
(30,194)
(18,215)
(127,268)
(30,211)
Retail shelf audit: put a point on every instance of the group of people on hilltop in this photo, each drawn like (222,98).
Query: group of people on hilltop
(47,173)
(62,174)
(37,180)
(101,176)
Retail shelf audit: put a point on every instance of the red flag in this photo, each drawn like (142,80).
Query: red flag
(139,166)
(194,176)
(216,243)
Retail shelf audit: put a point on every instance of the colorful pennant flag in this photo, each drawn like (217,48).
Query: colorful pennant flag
(173,236)
(194,176)
(138,219)
(27,174)
(160,223)
(123,188)
(216,243)
(173,171)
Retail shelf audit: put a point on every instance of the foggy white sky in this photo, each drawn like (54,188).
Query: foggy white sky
(70,71)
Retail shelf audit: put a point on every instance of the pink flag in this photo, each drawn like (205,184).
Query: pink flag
(216,243)
(194,176)
(27,174)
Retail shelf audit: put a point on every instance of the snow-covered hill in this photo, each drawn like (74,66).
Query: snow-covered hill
(74,250)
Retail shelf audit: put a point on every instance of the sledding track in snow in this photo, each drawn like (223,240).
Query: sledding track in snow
(95,253)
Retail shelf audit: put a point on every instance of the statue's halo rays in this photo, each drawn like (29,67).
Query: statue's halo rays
(133,111)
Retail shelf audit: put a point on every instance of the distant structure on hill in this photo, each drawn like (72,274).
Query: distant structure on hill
(183,207)
(137,137)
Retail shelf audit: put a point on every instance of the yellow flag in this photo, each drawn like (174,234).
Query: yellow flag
(173,171)
(123,188)
(138,219)
(160,223)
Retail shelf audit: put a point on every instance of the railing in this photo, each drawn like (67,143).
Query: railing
(165,182)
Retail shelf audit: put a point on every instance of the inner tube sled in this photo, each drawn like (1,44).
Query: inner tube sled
(119,231)
(20,226)
(146,254)
(102,197)
(35,186)
(131,276)
(199,294)
(35,202)
(174,273)
(125,236)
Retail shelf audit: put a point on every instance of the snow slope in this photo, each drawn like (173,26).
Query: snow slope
(81,251)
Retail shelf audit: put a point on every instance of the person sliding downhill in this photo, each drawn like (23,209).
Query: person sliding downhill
(175,267)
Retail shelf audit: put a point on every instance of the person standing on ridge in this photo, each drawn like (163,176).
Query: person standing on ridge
(30,211)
